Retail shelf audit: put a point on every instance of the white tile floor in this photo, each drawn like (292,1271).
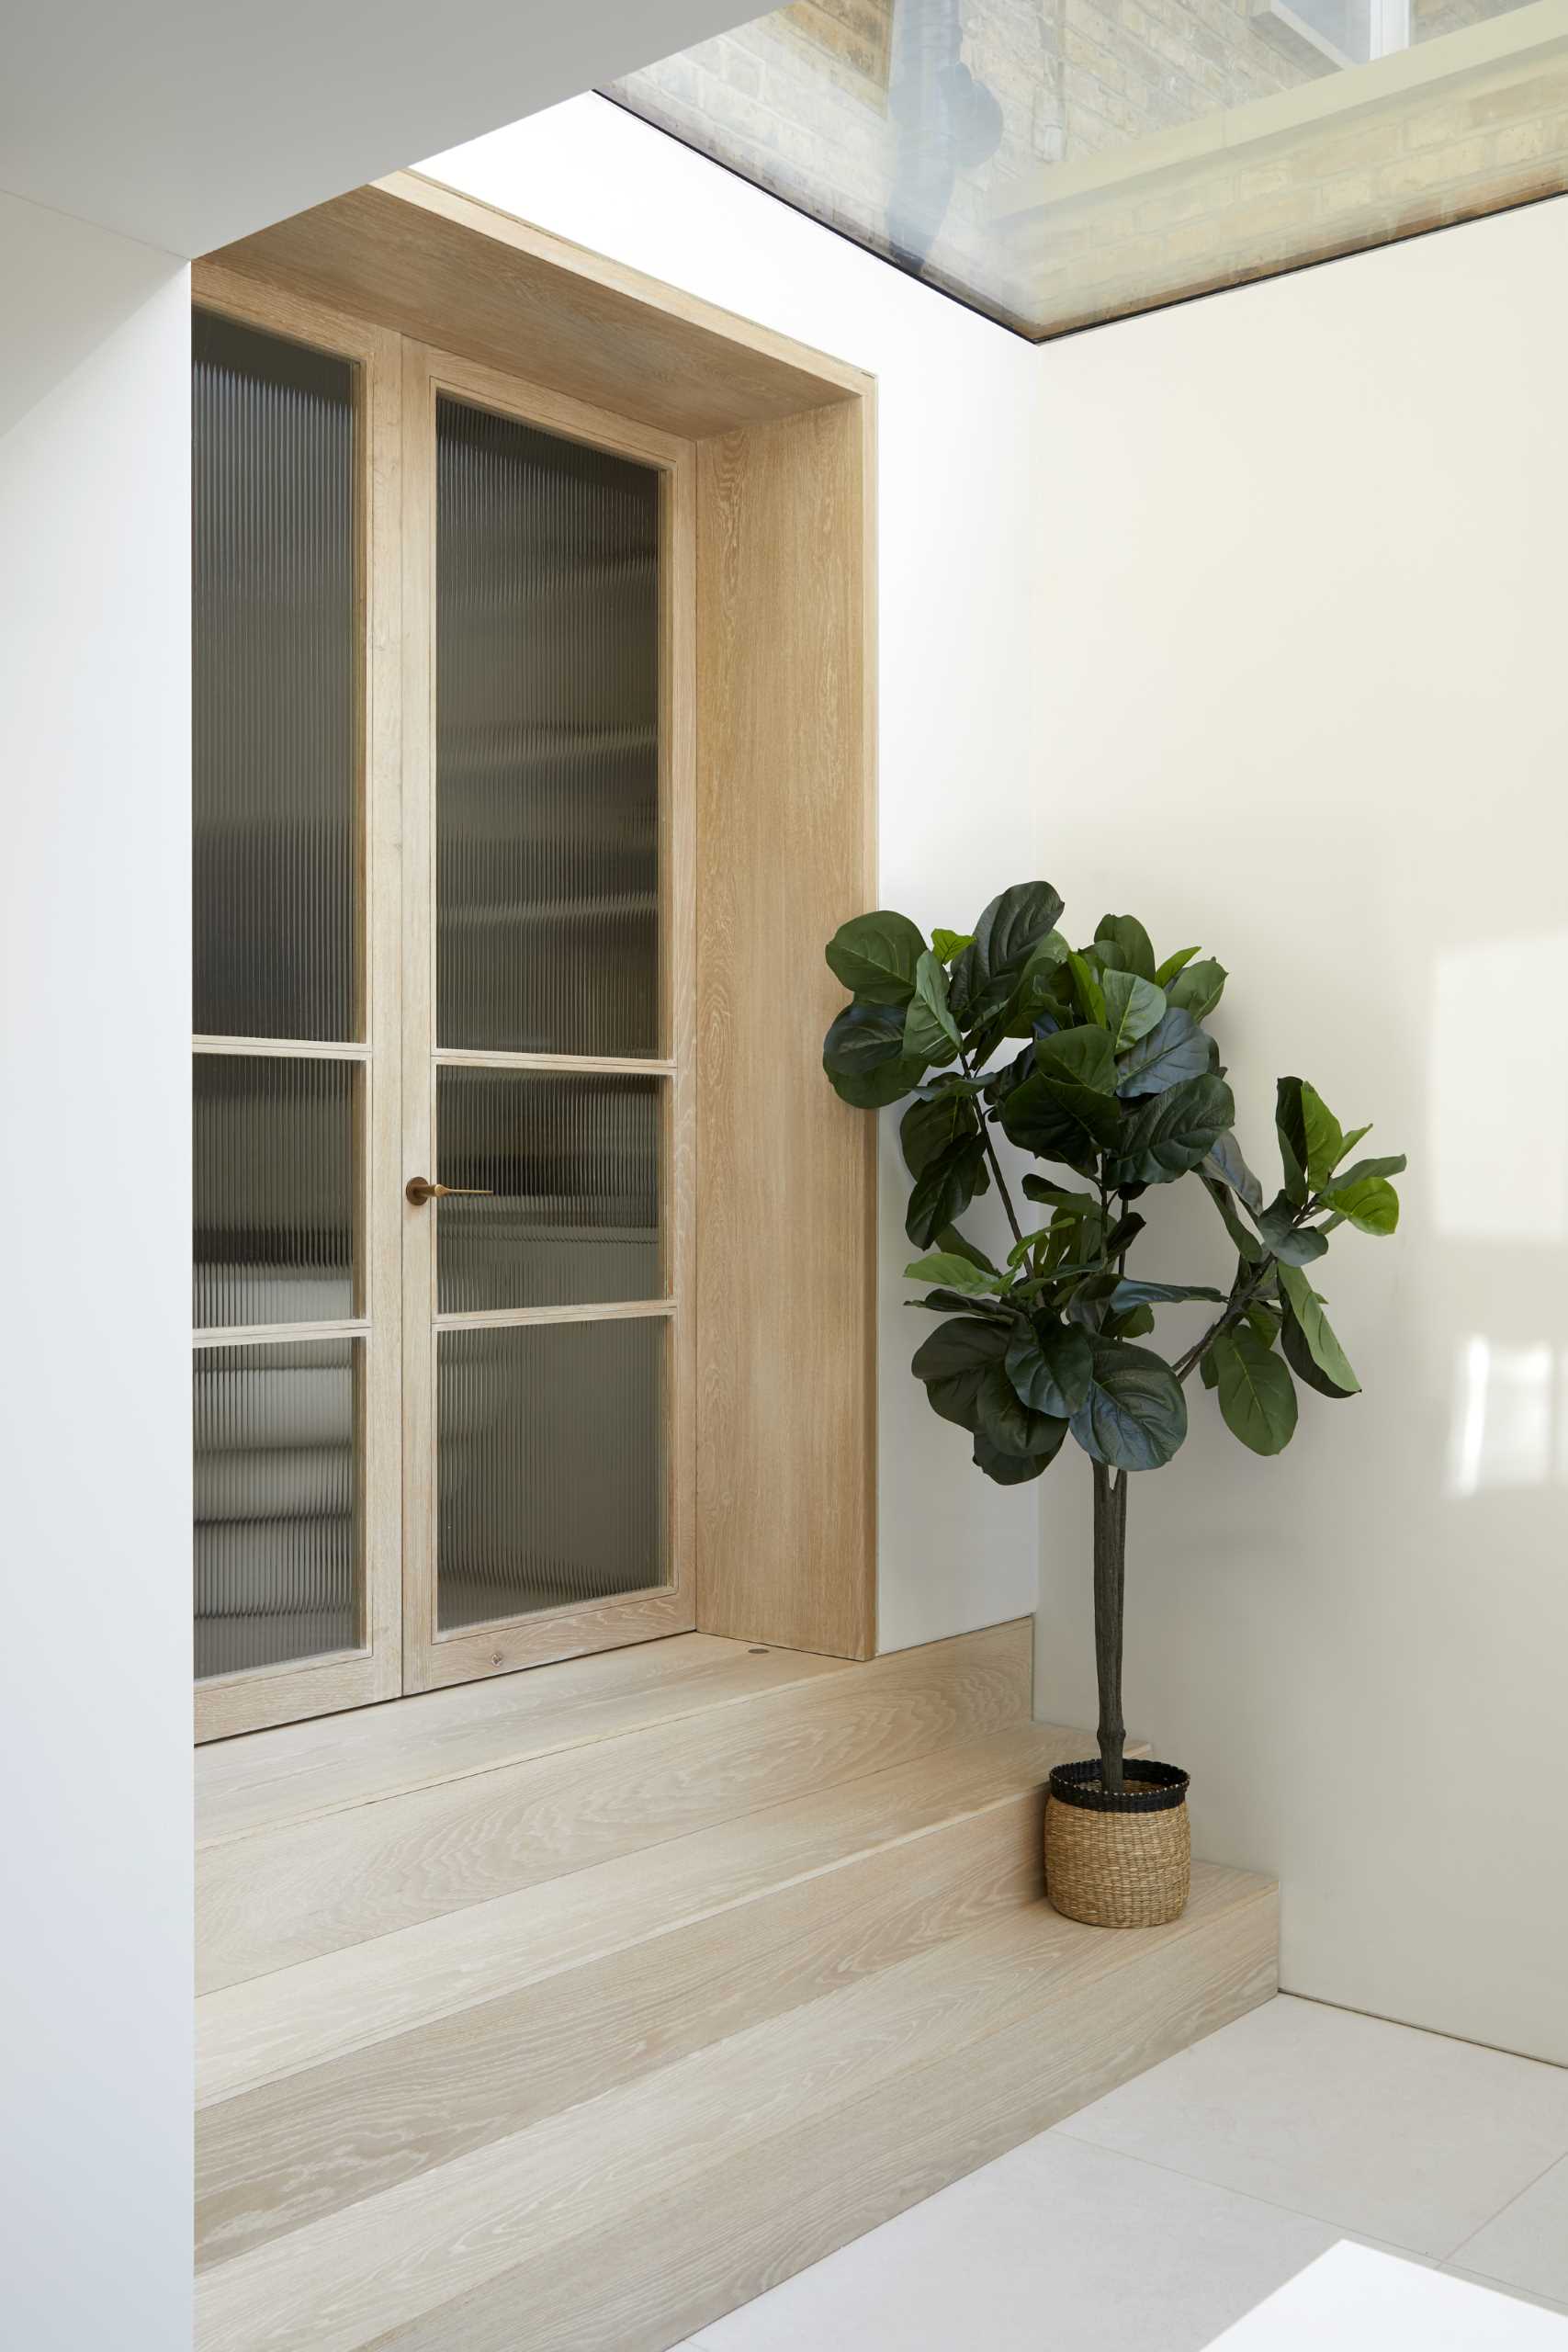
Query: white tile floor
(1159,2216)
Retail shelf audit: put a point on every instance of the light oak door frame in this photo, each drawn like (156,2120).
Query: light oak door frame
(431,1658)
(255,1698)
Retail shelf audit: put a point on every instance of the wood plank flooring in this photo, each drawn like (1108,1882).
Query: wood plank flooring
(708,1968)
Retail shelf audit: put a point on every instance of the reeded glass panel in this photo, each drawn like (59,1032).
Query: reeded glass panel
(571,1167)
(276,1508)
(546,741)
(275,686)
(1058,162)
(273,1182)
(551,1478)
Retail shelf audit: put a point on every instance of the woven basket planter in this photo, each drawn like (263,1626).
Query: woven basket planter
(1118,1862)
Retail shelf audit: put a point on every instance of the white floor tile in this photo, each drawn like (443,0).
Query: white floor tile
(1058,2245)
(1358,2300)
(1526,2244)
(1502,2287)
(1384,2131)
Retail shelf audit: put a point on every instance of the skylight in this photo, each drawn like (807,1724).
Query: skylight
(1058,162)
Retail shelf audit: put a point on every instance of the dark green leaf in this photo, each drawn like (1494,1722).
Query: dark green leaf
(1290,1125)
(1174,1049)
(1257,1396)
(876,957)
(948,943)
(945,1190)
(1082,1057)
(1369,1203)
(1050,1364)
(1124,946)
(954,1272)
(1325,1136)
(1059,1196)
(1035,994)
(952,1240)
(1086,984)
(1132,1325)
(1135,1416)
(1247,1244)
(1206,1373)
(1352,1138)
(1226,1163)
(931,1033)
(1309,1341)
(1123,1235)
(1000,1082)
(1198,988)
(1173,1131)
(1293,1244)
(1137,1294)
(1167,971)
(1013,926)
(929,1126)
(1395,1164)
(958,1302)
(875,1091)
(955,1361)
(862,1056)
(1133,1007)
(1264,1321)
(1090,1300)
(862,1039)
(1009,1423)
(1060,1121)
(1012,1469)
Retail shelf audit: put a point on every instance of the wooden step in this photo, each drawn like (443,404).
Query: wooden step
(272,1778)
(536,2016)
(634,2217)
(296,1888)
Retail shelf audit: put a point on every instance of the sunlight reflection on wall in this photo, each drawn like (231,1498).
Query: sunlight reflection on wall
(1510,1418)
(1499,1067)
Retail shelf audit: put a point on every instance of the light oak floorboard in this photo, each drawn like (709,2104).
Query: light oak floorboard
(688,2255)
(352,2278)
(319,2012)
(289,1895)
(304,1769)
(280,2156)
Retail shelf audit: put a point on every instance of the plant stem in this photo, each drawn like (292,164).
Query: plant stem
(1110,1589)
(1237,1306)
(1000,1180)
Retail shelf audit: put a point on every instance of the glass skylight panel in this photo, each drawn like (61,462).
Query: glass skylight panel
(1059,163)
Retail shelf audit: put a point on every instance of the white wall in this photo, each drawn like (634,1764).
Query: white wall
(960,761)
(95,1351)
(187,124)
(1301,678)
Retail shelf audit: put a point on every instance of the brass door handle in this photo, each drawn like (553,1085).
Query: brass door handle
(418,1189)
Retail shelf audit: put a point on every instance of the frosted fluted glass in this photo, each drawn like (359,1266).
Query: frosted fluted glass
(275,686)
(276,1512)
(546,741)
(551,1466)
(274,1190)
(571,1167)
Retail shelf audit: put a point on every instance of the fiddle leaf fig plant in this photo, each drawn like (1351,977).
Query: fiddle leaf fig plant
(1096,1062)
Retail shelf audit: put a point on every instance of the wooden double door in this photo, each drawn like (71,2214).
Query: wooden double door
(443,1086)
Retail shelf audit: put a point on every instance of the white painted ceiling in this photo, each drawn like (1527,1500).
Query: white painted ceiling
(184,123)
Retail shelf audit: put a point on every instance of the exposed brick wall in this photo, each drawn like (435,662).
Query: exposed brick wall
(803,101)
(802,93)
(1500,137)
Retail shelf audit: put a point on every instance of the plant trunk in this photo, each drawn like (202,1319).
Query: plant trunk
(1110,1584)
